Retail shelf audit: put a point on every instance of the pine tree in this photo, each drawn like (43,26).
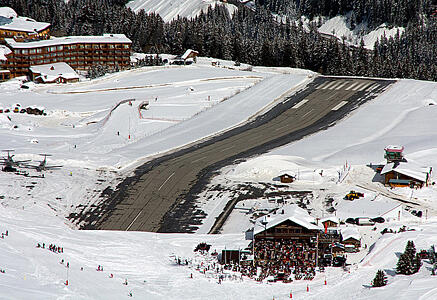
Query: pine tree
(417,263)
(404,265)
(380,279)
(410,250)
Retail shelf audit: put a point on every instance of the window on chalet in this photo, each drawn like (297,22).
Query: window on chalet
(52,49)
(60,48)
(39,50)
(126,46)
(25,51)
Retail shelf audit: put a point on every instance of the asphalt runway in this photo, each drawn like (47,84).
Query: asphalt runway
(160,197)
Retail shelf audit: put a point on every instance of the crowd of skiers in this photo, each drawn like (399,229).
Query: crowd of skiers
(52,247)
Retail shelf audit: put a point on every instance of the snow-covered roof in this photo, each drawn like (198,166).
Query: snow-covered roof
(394,148)
(3,52)
(287,172)
(366,207)
(106,38)
(7,12)
(350,232)
(9,20)
(331,218)
(295,214)
(51,72)
(187,53)
(409,169)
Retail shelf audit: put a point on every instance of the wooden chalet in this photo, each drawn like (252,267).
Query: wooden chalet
(287,178)
(53,73)
(289,228)
(330,222)
(406,174)
(351,238)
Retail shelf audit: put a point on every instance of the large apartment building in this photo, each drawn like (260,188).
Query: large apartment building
(11,25)
(80,52)
(38,48)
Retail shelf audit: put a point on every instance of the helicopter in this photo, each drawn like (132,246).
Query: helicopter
(10,165)
(43,164)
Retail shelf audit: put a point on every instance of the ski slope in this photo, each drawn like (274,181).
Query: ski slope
(171,9)
(81,129)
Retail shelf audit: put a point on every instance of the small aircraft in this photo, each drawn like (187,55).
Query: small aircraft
(9,163)
(43,165)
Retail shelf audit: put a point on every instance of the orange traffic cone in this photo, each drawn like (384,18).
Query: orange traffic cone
(308,288)
(325,281)
(291,295)
(66,282)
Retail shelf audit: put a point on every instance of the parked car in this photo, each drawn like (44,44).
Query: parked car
(350,221)
(378,220)
(339,261)
(364,221)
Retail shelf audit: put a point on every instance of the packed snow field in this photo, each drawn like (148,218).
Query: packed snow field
(99,138)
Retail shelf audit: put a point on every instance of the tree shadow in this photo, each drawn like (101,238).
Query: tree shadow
(390,272)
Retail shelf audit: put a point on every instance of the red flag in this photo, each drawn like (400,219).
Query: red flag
(326,227)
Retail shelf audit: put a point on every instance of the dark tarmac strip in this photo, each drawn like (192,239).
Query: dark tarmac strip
(160,197)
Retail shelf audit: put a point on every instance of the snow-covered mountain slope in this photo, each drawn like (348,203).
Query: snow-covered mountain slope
(338,26)
(171,9)
(188,103)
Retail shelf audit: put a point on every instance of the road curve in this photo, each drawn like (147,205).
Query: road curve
(160,196)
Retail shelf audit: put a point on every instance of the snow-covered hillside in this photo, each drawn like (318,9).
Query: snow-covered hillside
(98,138)
(339,27)
(171,9)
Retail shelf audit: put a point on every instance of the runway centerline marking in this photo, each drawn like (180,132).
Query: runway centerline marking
(165,181)
(198,159)
(339,105)
(307,113)
(300,103)
(130,225)
(227,149)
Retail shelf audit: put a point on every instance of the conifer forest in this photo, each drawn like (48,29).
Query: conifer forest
(254,36)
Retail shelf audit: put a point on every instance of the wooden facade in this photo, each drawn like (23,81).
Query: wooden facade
(286,178)
(5,75)
(80,55)
(287,230)
(24,35)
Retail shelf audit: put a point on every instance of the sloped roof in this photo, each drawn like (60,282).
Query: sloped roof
(187,53)
(350,232)
(50,72)
(10,21)
(409,169)
(7,12)
(3,52)
(331,218)
(394,148)
(297,215)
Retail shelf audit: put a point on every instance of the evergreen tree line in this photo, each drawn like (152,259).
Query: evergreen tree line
(252,37)
(374,12)
(409,263)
